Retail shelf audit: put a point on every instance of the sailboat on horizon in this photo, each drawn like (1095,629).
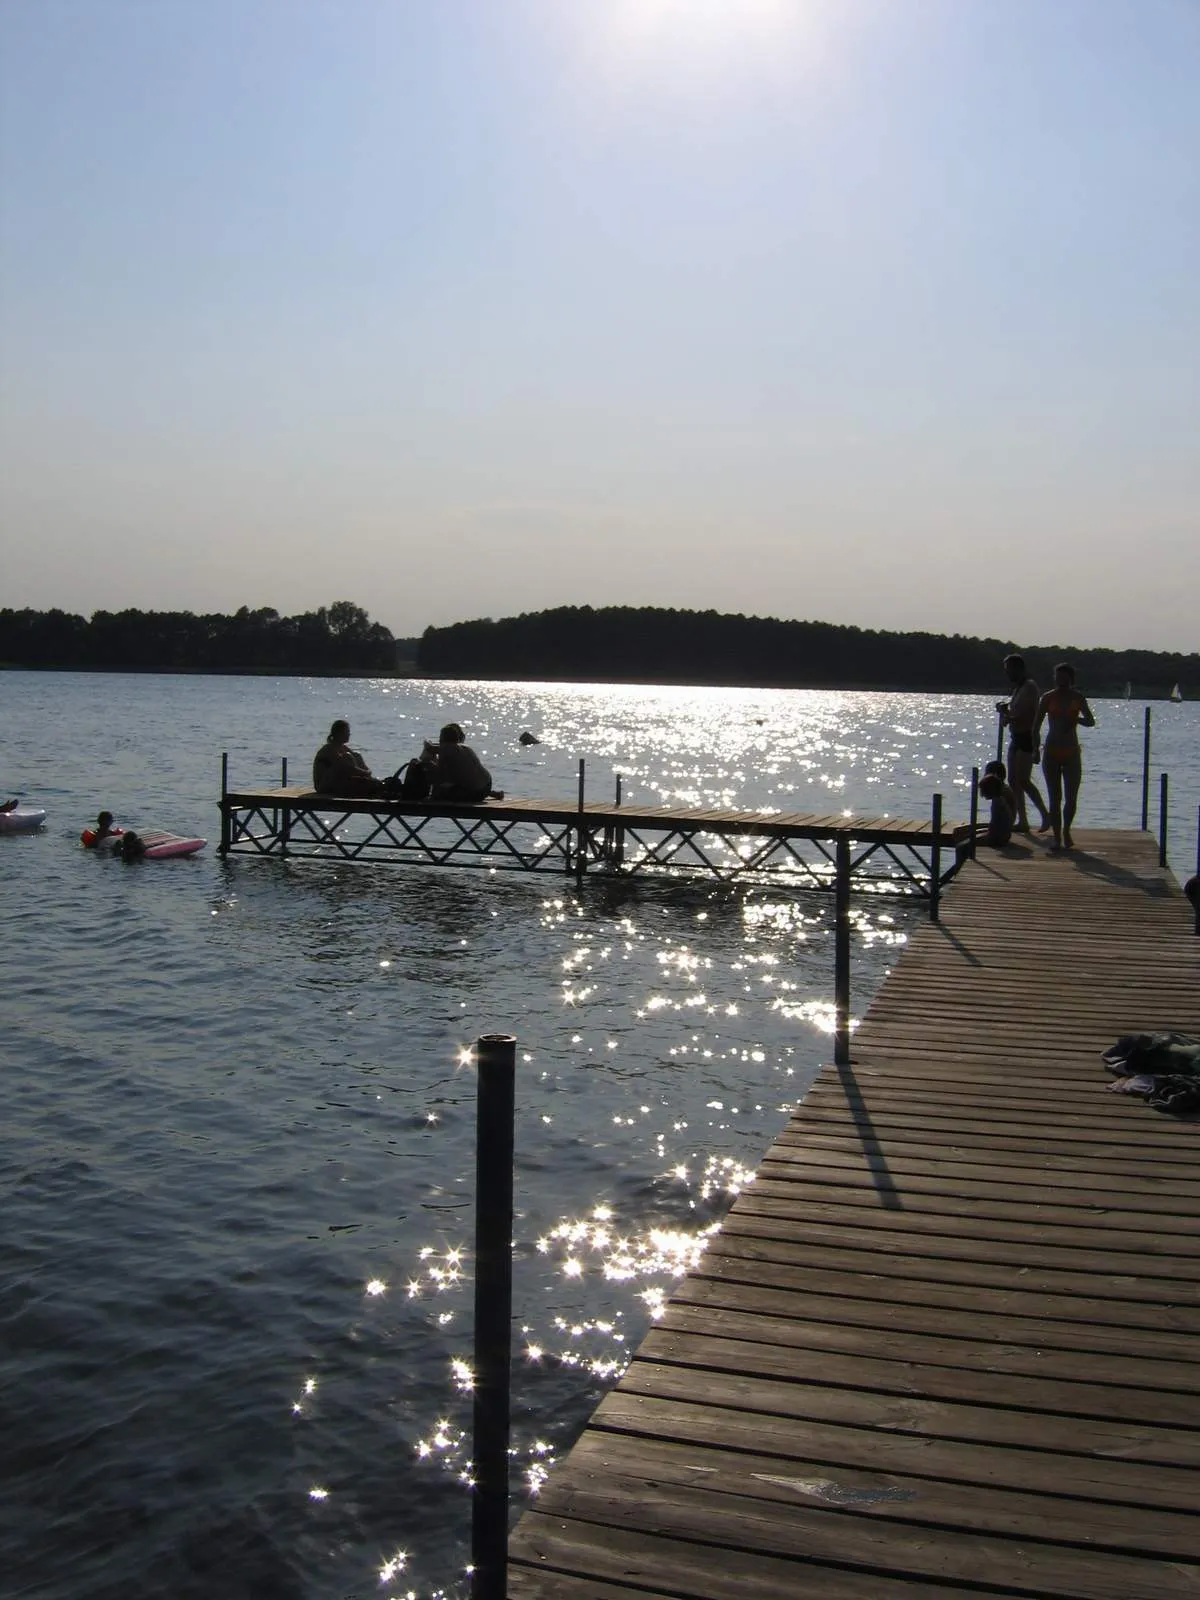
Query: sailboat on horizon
(1176,694)
(1128,691)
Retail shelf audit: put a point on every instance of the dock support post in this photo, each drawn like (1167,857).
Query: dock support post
(974,810)
(614,834)
(841,955)
(223,849)
(285,821)
(999,735)
(1162,819)
(495,1056)
(581,837)
(935,861)
(1146,772)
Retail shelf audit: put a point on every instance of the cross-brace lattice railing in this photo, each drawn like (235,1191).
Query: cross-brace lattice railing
(798,854)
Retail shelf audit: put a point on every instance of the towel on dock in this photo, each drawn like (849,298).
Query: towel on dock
(1164,1067)
(1155,1052)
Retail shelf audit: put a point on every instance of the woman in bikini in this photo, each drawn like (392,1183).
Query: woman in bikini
(1062,760)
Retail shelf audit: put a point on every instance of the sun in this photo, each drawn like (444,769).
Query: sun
(699,45)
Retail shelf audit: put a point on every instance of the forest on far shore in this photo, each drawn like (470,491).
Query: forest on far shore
(340,638)
(625,644)
(612,644)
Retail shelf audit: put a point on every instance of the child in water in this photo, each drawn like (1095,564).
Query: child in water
(103,831)
(995,787)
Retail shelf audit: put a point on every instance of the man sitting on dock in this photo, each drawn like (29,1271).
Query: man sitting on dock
(338,770)
(456,771)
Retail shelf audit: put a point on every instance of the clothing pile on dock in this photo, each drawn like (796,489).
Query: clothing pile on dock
(1162,1067)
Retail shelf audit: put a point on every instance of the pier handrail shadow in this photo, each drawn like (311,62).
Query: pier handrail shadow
(885,1186)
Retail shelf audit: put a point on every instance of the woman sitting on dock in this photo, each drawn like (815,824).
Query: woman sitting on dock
(1062,759)
(456,771)
(338,770)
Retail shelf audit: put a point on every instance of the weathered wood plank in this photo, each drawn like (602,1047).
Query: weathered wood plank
(948,1336)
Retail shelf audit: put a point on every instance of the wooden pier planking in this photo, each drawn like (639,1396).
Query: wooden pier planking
(946,1342)
(800,825)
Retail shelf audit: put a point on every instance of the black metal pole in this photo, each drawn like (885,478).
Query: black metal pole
(974,809)
(282,818)
(1197,899)
(285,824)
(496,1058)
(935,861)
(841,954)
(224,846)
(581,851)
(1146,773)
(1162,819)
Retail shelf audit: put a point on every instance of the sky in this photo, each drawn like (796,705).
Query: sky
(883,312)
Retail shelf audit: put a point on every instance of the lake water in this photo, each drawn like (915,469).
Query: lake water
(236,1162)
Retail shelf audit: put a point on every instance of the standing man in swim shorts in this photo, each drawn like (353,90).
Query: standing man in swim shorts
(1019,713)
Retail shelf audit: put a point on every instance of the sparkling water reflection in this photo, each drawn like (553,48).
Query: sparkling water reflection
(237,1159)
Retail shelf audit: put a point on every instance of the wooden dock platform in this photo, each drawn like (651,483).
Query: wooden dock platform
(946,1343)
(918,856)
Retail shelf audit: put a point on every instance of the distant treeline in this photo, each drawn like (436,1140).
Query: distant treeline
(335,639)
(624,644)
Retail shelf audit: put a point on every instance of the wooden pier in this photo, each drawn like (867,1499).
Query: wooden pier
(800,848)
(946,1342)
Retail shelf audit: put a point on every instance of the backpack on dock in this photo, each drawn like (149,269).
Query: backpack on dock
(411,782)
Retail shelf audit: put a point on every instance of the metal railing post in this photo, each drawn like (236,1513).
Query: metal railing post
(1146,772)
(1162,819)
(285,822)
(1196,902)
(841,954)
(935,861)
(223,848)
(974,809)
(496,1057)
(580,844)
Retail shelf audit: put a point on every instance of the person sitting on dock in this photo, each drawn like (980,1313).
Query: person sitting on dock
(456,771)
(994,787)
(338,770)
